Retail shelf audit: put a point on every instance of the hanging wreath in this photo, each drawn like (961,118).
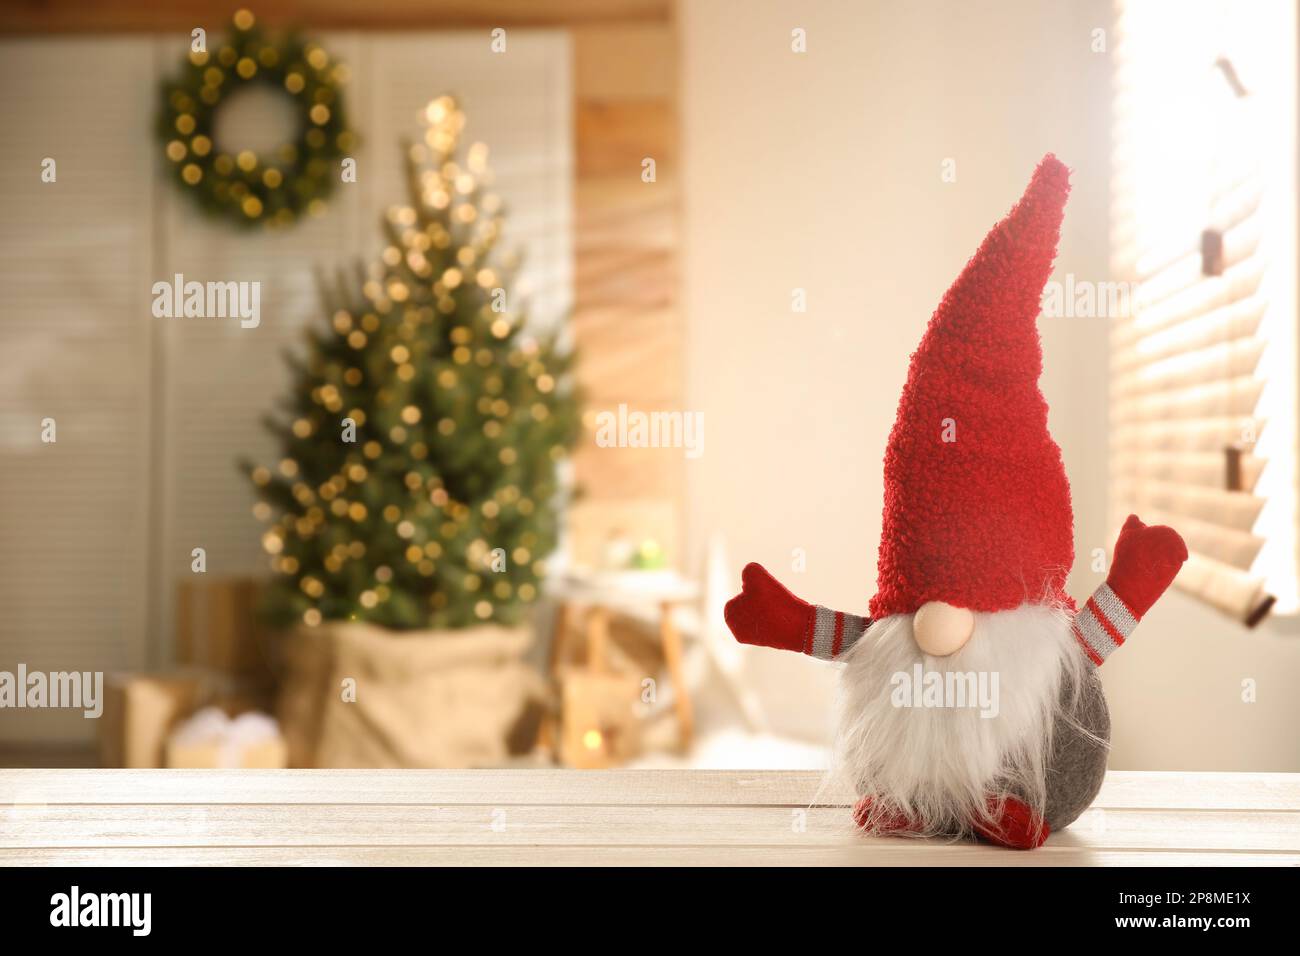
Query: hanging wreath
(273,189)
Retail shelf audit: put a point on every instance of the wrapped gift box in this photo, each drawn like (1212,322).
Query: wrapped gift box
(211,739)
(267,755)
(218,631)
(140,710)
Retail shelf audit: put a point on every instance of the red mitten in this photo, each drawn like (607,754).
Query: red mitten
(1145,563)
(766,614)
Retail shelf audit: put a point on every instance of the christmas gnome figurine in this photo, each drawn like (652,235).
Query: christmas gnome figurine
(975,547)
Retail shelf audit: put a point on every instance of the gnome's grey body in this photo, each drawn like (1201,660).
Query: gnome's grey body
(1078,762)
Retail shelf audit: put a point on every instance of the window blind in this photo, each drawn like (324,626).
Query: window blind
(1194,230)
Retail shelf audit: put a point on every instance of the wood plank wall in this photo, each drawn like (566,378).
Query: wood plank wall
(153,16)
(626,316)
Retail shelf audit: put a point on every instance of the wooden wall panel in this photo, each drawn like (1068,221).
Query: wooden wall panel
(626,317)
(84,16)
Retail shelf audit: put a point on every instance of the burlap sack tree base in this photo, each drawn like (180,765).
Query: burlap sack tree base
(447,699)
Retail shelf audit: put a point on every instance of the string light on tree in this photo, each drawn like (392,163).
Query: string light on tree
(460,418)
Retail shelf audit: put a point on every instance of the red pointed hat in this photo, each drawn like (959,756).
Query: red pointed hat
(977,505)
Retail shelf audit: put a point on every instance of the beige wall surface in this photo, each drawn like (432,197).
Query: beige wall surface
(822,171)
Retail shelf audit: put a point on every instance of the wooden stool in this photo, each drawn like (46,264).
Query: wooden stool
(601,595)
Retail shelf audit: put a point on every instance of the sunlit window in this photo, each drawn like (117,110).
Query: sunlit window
(1203,368)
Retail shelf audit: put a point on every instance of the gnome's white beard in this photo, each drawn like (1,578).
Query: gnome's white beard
(938,766)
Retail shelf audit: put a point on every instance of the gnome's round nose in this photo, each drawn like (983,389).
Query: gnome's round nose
(941,629)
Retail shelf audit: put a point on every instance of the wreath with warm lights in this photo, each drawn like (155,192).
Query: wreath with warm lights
(276,189)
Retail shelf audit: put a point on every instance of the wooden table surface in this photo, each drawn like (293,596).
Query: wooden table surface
(503,817)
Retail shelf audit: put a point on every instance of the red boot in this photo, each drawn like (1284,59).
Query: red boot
(893,822)
(1016,826)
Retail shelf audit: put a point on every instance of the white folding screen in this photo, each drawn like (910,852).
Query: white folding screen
(74,347)
(152,414)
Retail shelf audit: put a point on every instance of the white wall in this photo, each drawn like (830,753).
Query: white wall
(822,171)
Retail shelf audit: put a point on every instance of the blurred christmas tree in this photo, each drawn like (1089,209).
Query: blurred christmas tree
(418,483)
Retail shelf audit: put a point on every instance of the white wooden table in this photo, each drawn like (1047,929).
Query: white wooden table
(592,817)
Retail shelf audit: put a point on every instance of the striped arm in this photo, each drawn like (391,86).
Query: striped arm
(1103,624)
(833,633)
